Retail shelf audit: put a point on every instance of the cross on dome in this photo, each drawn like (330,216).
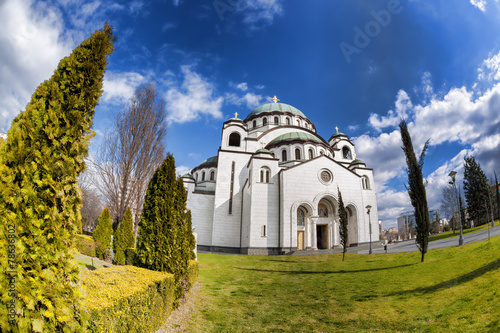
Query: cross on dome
(236,115)
(274,99)
(263,144)
(337,129)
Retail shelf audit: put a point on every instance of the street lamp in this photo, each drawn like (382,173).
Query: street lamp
(452,175)
(370,224)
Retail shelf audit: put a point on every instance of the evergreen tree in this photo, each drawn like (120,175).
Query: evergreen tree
(476,189)
(344,235)
(416,188)
(124,237)
(102,234)
(39,196)
(162,241)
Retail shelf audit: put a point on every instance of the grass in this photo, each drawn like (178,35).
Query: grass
(86,262)
(450,234)
(455,290)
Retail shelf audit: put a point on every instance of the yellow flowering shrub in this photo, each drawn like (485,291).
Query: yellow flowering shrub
(127,298)
(192,273)
(85,245)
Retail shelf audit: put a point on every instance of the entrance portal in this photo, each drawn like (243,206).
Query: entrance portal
(300,240)
(322,236)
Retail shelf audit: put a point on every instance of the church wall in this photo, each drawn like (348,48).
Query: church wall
(226,225)
(302,184)
(202,210)
(264,199)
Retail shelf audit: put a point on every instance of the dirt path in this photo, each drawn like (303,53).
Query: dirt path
(177,320)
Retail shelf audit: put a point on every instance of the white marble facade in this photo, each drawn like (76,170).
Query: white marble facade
(272,188)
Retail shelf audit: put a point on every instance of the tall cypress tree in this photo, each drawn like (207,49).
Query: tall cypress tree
(343,231)
(416,188)
(476,189)
(161,242)
(39,196)
(124,237)
(102,234)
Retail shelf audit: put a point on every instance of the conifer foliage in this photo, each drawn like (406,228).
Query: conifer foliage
(124,237)
(102,234)
(163,241)
(39,196)
(476,189)
(343,231)
(416,188)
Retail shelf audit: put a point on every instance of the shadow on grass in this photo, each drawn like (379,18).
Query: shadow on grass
(323,272)
(494,265)
(90,267)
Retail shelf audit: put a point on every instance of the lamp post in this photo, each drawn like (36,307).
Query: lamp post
(452,175)
(370,224)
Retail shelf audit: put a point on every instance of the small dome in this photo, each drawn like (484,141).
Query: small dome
(356,162)
(294,136)
(187,175)
(263,150)
(270,107)
(210,160)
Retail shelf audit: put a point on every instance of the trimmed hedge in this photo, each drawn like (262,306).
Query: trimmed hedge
(127,299)
(192,273)
(85,245)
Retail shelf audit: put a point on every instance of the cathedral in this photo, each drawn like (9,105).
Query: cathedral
(273,187)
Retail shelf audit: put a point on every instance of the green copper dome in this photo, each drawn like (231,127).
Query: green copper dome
(294,136)
(263,151)
(270,107)
(356,162)
(209,161)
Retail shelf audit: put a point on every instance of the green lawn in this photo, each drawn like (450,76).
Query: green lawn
(450,234)
(455,290)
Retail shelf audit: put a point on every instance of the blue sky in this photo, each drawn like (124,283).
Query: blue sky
(359,65)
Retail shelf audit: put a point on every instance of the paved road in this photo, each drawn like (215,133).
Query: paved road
(410,246)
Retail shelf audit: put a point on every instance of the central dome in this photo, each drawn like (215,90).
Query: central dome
(272,107)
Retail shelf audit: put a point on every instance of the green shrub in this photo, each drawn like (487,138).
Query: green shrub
(39,197)
(191,274)
(130,257)
(102,235)
(164,243)
(124,238)
(85,245)
(127,299)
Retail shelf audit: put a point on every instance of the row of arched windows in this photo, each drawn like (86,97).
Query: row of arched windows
(204,176)
(298,154)
(276,121)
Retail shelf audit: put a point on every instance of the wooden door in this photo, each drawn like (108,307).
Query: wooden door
(300,240)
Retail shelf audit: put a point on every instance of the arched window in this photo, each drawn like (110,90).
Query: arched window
(306,125)
(283,156)
(297,153)
(346,152)
(322,211)
(298,122)
(264,122)
(212,175)
(203,176)
(288,121)
(196,176)
(365,181)
(234,139)
(254,123)
(276,121)
(265,175)
(301,217)
(322,152)
(311,154)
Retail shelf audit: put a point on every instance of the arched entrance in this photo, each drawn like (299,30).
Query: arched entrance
(324,224)
(352,225)
(303,221)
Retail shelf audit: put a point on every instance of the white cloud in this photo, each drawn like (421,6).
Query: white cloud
(194,98)
(490,69)
(403,105)
(242,86)
(251,100)
(480,4)
(181,170)
(32,42)
(259,13)
(119,87)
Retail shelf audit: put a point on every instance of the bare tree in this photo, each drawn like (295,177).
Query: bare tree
(131,153)
(448,205)
(92,204)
